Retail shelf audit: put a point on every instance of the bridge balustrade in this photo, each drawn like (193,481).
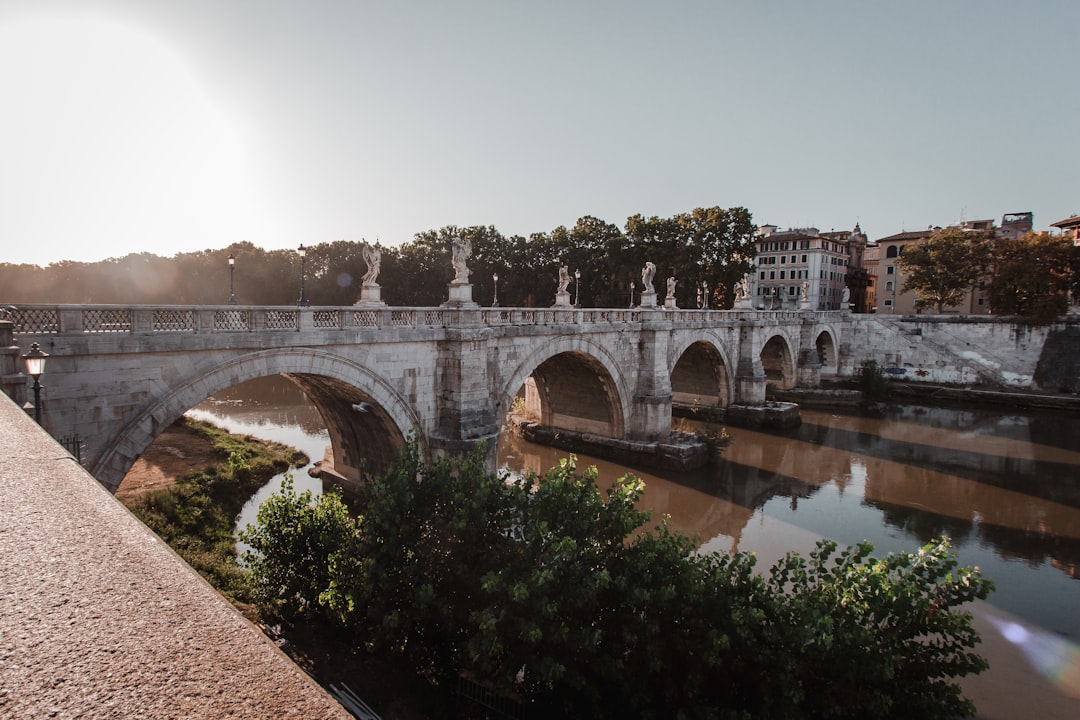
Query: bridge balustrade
(113,319)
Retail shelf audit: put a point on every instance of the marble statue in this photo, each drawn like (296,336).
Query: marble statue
(742,289)
(564,279)
(671,282)
(647,275)
(373,257)
(462,249)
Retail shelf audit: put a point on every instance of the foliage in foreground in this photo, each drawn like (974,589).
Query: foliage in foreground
(551,591)
(197,515)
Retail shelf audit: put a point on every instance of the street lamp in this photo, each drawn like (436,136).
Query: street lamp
(495,298)
(232,267)
(577,288)
(631,292)
(35,367)
(303,301)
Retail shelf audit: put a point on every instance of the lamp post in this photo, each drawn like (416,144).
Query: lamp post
(35,367)
(495,297)
(303,301)
(232,267)
(631,292)
(577,288)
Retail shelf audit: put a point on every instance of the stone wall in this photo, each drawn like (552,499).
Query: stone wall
(967,350)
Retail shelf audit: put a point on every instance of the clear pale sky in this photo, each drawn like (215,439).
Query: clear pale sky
(168,126)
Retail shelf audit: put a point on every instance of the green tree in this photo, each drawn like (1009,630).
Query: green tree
(548,589)
(1032,276)
(292,548)
(943,267)
(714,246)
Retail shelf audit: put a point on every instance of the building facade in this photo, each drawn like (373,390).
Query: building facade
(890,296)
(788,260)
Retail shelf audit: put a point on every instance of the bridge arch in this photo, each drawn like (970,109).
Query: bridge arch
(366,436)
(778,362)
(700,376)
(573,373)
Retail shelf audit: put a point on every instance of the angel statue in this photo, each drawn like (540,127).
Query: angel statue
(647,274)
(462,249)
(742,289)
(373,257)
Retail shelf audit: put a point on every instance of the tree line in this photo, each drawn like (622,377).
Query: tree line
(545,589)
(713,246)
(1033,275)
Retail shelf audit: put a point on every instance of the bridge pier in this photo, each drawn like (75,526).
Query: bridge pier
(650,415)
(750,380)
(465,413)
(808,363)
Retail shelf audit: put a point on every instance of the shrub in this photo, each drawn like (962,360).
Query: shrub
(873,382)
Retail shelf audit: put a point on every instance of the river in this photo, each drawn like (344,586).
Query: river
(1004,486)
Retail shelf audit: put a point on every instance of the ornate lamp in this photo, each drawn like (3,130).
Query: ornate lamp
(35,368)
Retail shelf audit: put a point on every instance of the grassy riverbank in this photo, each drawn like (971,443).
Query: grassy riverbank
(195,513)
(189,486)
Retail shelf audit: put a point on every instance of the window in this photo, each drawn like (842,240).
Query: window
(892,251)
(890,270)
(804,258)
(781,274)
(782,259)
(888,303)
(772,274)
(762,274)
(888,286)
(783,245)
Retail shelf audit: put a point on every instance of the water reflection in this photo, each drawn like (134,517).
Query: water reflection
(1004,487)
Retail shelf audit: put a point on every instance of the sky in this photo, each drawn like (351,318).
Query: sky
(169,126)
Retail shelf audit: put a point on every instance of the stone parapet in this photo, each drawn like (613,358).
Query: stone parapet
(102,619)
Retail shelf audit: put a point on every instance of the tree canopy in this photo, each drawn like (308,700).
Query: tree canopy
(710,245)
(1033,275)
(549,590)
(942,268)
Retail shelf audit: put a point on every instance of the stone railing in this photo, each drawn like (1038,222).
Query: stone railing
(145,319)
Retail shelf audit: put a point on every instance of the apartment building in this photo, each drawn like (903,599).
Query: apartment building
(889,277)
(786,259)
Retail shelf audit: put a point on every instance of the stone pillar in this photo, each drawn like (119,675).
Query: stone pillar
(371,296)
(650,416)
(749,374)
(808,372)
(460,296)
(465,415)
(13,383)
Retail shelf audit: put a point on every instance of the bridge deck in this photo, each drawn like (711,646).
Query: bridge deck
(101,619)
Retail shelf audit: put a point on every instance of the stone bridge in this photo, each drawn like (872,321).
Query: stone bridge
(119,375)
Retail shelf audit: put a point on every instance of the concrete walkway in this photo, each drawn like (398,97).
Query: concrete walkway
(100,619)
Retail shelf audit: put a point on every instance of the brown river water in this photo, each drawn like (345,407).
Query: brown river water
(1004,486)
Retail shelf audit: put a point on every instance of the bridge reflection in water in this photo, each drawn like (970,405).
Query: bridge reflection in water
(1005,488)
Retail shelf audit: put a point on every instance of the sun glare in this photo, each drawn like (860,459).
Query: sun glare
(110,146)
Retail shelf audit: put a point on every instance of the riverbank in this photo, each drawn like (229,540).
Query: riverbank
(846,394)
(1013,688)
